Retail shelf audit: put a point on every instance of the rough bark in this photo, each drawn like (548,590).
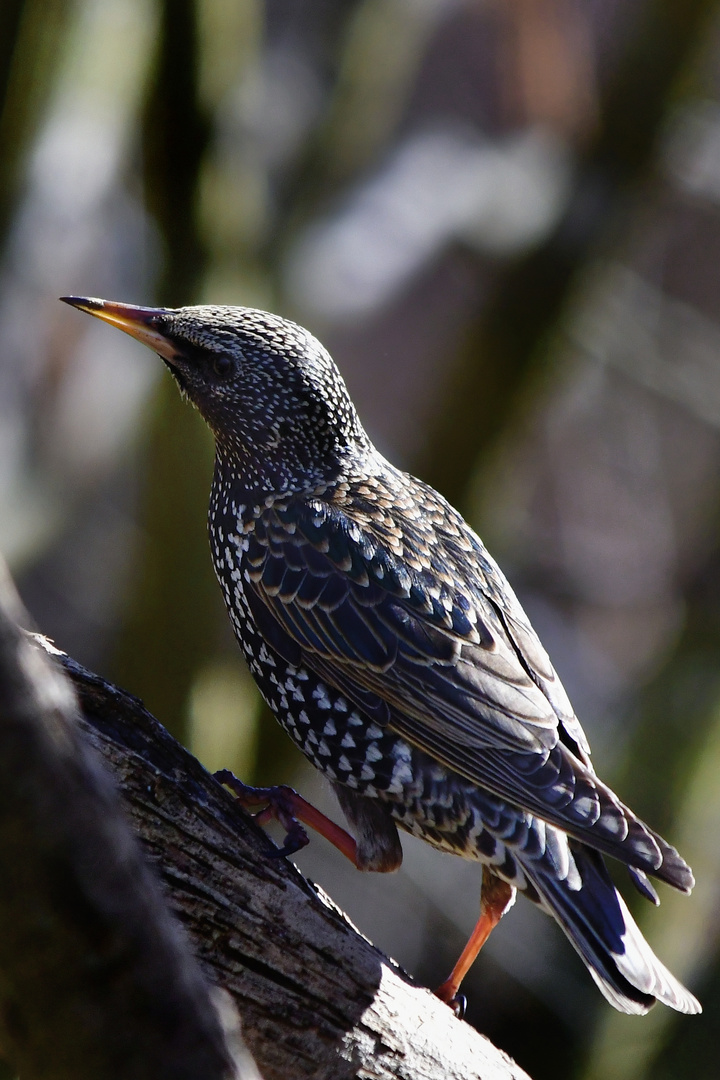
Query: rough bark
(316,998)
(96,979)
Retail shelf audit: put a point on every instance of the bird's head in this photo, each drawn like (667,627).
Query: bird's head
(275,401)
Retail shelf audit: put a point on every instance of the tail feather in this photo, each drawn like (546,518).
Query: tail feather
(596,920)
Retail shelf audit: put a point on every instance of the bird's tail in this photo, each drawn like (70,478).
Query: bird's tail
(596,920)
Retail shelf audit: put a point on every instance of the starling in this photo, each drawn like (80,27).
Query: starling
(391,648)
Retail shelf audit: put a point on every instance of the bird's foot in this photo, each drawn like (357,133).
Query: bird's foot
(283,804)
(278,803)
(457,1002)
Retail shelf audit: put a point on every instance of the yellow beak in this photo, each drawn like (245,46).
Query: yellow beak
(138,322)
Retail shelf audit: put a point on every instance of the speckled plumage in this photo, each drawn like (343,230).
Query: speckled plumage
(392,649)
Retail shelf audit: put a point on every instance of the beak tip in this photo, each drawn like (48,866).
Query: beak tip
(83,302)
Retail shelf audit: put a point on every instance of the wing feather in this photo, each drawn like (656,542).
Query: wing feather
(438,653)
(442,653)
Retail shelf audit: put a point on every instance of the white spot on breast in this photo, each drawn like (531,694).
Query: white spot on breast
(321,696)
(265,656)
(402,776)
(373,753)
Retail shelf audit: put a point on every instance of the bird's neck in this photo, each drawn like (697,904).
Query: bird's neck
(255,480)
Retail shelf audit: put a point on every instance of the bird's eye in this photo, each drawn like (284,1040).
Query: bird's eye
(222,365)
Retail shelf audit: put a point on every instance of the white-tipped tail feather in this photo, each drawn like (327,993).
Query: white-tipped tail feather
(604,933)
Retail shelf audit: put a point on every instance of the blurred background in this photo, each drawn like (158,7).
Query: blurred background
(503,219)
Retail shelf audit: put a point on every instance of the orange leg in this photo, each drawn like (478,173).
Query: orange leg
(497,896)
(290,809)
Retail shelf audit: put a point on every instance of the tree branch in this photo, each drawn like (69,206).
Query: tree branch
(95,978)
(316,998)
